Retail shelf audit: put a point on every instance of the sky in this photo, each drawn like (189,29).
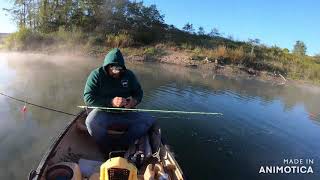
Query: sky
(6,25)
(274,22)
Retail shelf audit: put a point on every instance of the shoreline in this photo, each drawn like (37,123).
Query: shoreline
(181,59)
(226,70)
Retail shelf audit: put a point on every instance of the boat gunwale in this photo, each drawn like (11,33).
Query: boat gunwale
(55,142)
(53,146)
(171,154)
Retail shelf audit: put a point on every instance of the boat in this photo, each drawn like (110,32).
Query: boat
(75,155)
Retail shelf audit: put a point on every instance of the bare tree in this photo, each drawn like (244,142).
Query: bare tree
(254,42)
(214,32)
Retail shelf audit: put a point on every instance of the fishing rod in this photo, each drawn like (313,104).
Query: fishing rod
(106,108)
(149,110)
(36,105)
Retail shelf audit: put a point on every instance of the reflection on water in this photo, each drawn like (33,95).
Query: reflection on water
(262,123)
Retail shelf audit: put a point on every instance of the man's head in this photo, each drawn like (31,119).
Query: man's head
(115,70)
(114,63)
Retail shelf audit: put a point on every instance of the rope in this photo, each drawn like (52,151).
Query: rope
(43,107)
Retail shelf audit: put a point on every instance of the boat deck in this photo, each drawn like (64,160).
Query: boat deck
(75,143)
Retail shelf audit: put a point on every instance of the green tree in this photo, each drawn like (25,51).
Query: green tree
(201,31)
(299,48)
(285,50)
(188,28)
(275,51)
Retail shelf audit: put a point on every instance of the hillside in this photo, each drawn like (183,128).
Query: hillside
(93,27)
(3,36)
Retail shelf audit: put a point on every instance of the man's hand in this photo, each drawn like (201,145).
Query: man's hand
(131,103)
(119,102)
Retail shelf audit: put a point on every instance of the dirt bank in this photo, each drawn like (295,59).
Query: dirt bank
(217,66)
(182,58)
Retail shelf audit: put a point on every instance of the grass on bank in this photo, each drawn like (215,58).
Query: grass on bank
(271,59)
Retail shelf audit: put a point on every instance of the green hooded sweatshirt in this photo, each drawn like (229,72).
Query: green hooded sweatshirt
(101,88)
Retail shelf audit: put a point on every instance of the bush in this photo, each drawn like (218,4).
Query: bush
(94,40)
(220,52)
(236,55)
(187,46)
(120,40)
(23,39)
(154,51)
(75,36)
(151,51)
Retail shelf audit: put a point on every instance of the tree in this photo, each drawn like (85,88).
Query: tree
(230,37)
(201,31)
(254,43)
(299,48)
(285,50)
(214,32)
(19,12)
(188,28)
(275,51)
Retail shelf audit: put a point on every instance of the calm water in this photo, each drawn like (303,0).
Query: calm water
(263,123)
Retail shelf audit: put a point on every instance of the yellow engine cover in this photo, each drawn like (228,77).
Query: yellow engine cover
(118,168)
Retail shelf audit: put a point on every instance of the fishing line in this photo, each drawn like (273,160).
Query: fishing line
(106,108)
(43,107)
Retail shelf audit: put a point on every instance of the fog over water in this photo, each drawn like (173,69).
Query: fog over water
(263,123)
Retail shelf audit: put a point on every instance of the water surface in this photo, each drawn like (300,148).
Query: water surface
(263,123)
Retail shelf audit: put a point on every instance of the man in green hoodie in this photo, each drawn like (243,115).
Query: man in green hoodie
(113,85)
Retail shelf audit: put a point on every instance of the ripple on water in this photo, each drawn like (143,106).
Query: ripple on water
(261,123)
